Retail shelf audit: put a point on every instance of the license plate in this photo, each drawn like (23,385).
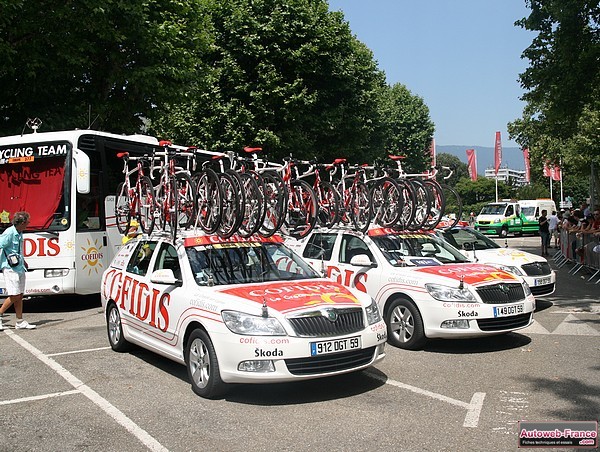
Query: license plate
(543,281)
(504,311)
(334,346)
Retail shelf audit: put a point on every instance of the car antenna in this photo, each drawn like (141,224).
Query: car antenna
(461,284)
(265,309)
(475,258)
(505,242)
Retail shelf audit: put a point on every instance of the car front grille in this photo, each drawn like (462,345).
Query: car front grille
(537,269)
(542,290)
(504,323)
(501,293)
(330,363)
(328,322)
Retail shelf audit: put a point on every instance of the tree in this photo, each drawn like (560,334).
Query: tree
(106,64)
(560,119)
(285,75)
(406,127)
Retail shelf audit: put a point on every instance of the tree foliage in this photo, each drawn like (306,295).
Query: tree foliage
(105,63)
(287,76)
(560,119)
(406,127)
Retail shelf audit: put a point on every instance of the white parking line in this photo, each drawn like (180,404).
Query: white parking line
(96,398)
(79,351)
(473,408)
(39,397)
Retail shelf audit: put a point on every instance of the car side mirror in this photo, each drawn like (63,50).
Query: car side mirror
(362,260)
(164,276)
(468,246)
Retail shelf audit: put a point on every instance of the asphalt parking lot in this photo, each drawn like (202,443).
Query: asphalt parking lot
(63,388)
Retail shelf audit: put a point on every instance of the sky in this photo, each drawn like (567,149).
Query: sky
(463,57)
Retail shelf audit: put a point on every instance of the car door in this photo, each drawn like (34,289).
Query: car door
(361,277)
(169,303)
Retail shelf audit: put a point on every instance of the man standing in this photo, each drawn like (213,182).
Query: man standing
(544,232)
(553,225)
(13,266)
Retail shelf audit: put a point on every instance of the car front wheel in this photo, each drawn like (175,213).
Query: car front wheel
(115,330)
(405,326)
(202,366)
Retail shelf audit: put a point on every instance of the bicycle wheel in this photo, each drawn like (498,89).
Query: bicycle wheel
(302,211)
(209,201)
(438,204)
(386,202)
(252,213)
(328,200)
(122,208)
(409,202)
(360,204)
(230,215)
(186,200)
(275,198)
(167,201)
(422,206)
(146,205)
(454,208)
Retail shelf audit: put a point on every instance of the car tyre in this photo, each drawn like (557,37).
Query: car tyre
(203,366)
(405,325)
(503,232)
(115,330)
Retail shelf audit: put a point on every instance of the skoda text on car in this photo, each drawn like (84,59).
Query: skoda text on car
(237,310)
(425,288)
(534,269)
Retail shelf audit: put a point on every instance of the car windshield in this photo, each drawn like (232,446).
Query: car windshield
(465,238)
(241,263)
(395,247)
(493,209)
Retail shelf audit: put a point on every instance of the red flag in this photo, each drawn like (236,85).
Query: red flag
(556,173)
(432,151)
(472,163)
(527,165)
(497,152)
(547,170)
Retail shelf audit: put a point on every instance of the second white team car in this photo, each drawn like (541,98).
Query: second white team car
(425,288)
(237,310)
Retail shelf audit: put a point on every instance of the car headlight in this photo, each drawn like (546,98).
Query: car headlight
(254,325)
(447,293)
(526,289)
(372,311)
(497,220)
(510,269)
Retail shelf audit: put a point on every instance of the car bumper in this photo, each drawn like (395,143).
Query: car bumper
(291,356)
(464,320)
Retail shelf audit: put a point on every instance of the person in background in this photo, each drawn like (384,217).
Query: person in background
(553,226)
(13,266)
(544,232)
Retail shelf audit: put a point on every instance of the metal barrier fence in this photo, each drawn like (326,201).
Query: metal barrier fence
(580,249)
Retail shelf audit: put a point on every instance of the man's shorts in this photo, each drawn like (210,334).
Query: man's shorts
(15,282)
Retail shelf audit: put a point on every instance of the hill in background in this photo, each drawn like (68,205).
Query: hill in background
(511,157)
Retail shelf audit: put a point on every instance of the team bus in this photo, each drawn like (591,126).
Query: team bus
(67,182)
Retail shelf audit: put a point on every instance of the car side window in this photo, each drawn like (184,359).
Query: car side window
(353,246)
(167,259)
(320,246)
(140,259)
(509,211)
